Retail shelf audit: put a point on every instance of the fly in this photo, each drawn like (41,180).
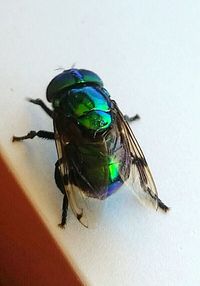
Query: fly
(97,150)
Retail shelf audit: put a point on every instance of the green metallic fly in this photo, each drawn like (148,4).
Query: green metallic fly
(97,150)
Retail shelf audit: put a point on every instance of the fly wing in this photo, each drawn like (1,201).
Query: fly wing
(140,175)
(70,189)
(85,209)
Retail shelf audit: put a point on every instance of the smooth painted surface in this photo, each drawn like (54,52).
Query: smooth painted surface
(147,54)
(29,255)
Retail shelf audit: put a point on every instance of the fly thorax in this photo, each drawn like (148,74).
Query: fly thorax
(89,106)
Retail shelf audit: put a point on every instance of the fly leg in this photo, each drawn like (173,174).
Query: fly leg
(132,118)
(66,186)
(39,102)
(126,117)
(64,212)
(41,134)
(60,185)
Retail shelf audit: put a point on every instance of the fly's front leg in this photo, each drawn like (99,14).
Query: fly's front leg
(132,118)
(41,134)
(39,102)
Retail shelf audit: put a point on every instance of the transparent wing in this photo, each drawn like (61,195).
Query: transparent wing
(85,209)
(140,175)
(69,187)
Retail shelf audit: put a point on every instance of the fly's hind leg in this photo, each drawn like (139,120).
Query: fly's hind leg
(41,134)
(60,185)
(132,118)
(39,102)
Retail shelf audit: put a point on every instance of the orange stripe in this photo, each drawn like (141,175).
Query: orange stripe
(28,253)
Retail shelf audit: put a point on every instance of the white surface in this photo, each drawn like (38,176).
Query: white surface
(148,54)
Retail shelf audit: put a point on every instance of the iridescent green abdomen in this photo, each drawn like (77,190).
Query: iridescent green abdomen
(100,165)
